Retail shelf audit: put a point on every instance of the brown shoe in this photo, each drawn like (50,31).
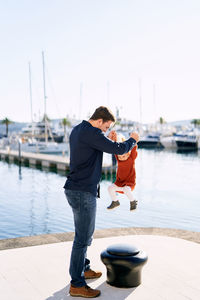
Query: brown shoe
(113,204)
(90,274)
(83,291)
(133,205)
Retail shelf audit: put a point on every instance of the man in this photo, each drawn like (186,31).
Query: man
(87,144)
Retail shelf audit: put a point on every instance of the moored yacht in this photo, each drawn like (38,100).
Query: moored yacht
(150,141)
(187,142)
(37,129)
(32,145)
(168,142)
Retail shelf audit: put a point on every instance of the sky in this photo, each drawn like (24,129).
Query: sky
(140,56)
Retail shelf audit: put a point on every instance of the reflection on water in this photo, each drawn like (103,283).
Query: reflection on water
(32,201)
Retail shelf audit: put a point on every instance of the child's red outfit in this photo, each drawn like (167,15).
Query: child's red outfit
(126,175)
(125,180)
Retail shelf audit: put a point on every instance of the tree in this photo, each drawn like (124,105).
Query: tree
(65,123)
(161,120)
(7,122)
(196,122)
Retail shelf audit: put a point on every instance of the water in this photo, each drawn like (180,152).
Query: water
(32,201)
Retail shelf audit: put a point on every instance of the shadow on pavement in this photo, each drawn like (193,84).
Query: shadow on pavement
(107,291)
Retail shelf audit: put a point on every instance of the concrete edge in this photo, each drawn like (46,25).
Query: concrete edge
(43,239)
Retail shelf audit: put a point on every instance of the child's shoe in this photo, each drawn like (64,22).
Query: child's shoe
(133,205)
(113,204)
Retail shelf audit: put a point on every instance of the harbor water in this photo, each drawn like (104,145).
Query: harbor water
(32,201)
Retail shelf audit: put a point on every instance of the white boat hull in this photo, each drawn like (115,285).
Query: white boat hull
(168,142)
(42,147)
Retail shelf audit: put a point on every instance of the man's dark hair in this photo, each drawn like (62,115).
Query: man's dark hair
(103,113)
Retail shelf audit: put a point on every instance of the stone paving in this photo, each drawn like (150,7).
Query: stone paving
(41,272)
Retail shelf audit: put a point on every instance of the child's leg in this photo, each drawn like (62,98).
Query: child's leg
(112,191)
(128,193)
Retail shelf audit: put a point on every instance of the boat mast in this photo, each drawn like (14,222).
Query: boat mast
(45,98)
(30,90)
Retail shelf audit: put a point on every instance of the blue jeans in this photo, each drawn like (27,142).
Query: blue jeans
(83,205)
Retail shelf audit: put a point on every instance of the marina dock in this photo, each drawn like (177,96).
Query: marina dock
(57,162)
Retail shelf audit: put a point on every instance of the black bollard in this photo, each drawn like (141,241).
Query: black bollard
(124,265)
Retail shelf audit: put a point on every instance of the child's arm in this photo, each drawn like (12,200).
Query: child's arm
(134,152)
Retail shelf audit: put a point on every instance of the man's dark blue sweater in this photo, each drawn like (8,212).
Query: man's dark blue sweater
(87,144)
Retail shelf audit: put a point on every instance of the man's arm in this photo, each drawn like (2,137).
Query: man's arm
(102,143)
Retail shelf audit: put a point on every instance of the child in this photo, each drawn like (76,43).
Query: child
(126,176)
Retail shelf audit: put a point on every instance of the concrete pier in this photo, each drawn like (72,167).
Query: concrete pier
(60,163)
(41,272)
(39,159)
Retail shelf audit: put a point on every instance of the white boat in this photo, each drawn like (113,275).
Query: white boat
(168,142)
(150,141)
(37,129)
(32,145)
(187,142)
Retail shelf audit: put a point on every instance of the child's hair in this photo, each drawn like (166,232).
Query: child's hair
(120,138)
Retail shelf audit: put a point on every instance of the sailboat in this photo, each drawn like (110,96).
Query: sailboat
(151,139)
(37,129)
(38,137)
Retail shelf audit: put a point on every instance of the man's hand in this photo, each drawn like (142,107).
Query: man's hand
(112,135)
(135,136)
